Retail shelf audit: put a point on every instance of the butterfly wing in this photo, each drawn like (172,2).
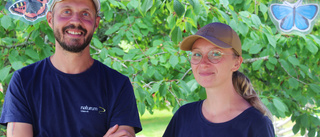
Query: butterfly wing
(286,24)
(18,8)
(35,9)
(308,11)
(301,22)
(30,10)
(284,16)
(304,15)
(280,11)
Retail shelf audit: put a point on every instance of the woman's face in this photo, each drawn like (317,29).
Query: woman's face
(213,71)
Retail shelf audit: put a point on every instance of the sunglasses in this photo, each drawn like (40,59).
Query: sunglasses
(214,56)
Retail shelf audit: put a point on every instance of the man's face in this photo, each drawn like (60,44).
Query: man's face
(73,23)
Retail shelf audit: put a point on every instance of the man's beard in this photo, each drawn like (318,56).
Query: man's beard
(76,47)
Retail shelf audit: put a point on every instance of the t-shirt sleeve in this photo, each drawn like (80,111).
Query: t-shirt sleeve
(125,109)
(15,107)
(264,128)
(171,128)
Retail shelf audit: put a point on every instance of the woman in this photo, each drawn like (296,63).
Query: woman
(232,107)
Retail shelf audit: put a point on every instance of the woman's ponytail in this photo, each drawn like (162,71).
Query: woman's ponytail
(244,87)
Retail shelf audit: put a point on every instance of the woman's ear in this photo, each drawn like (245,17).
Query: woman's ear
(237,63)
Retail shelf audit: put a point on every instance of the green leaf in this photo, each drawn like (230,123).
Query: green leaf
(4,73)
(315,88)
(32,54)
(279,105)
(176,35)
(113,29)
(311,46)
(51,36)
(174,60)
(273,60)
(133,3)
(17,65)
(304,120)
(303,131)
(293,83)
(184,86)
(141,108)
(270,66)
(285,64)
(257,64)
(312,133)
(224,15)
(141,94)
(225,3)
(171,21)
(294,61)
(272,40)
(193,84)
(242,28)
(129,36)
(196,6)
(163,90)
(296,128)
(118,51)
(5,21)
(152,50)
(263,8)
(256,20)
(142,25)
(255,49)
(146,5)
(157,42)
(113,2)
(178,8)
(97,43)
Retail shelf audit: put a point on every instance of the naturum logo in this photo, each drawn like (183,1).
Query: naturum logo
(87,109)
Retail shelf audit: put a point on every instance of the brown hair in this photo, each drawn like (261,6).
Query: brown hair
(244,87)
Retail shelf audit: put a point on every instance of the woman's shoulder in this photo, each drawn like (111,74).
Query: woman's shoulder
(256,117)
(189,108)
(191,105)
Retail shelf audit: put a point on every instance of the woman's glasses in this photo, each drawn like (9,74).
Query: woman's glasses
(214,56)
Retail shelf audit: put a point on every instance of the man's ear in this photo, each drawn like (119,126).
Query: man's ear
(50,19)
(97,21)
(237,63)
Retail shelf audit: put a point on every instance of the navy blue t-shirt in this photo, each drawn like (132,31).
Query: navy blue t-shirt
(189,121)
(70,105)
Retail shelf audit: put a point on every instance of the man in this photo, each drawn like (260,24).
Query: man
(70,94)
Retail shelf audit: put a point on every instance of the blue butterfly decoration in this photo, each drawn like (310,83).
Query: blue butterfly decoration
(295,16)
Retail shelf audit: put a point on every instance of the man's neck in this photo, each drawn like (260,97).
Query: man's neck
(71,63)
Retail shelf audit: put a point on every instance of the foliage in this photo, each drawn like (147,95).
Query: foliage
(140,39)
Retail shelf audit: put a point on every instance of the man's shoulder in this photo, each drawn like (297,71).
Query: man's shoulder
(33,67)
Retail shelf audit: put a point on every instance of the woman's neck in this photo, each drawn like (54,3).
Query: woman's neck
(223,103)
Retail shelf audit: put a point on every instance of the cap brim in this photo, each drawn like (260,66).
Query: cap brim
(187,43)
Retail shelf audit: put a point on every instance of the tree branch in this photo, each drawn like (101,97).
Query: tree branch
(116,59)
(26,42)
(18,45)
(98,50)
(255,59)
(184,75)
(148,85)
(174,96)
